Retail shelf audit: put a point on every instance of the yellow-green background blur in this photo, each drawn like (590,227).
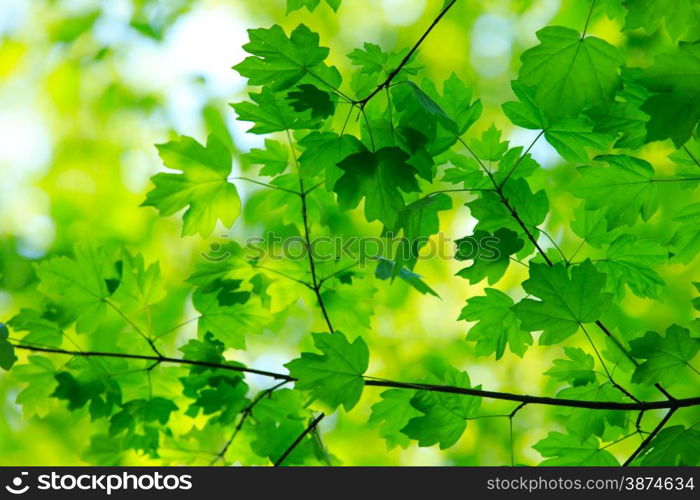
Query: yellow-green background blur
(87,87)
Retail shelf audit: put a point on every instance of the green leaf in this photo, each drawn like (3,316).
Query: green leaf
(667,358)
(221,395)
(209,350)
(444,416)
(311,97)
(677,15)
(359,293)
(513,165)
(490,254)
(489,147)
(378,178)
(685,243)
(673,446)
(623,117)
(7,351)
(570,136)
(392,414)
(274,158)
(625,189)
(431,107)
(415,143)
(103,394)
(272,112)
(334,4)
(370,58)
(532,208)
(617,353)
(525,112)
(569,72)
(335,377)
(568,450)
(456,102)
(322,153)
(497,324)
(630,261)
(39,375)
(273,438)
(230,323)
(279,61)
(465,170)
(591,225)
(375,65)
(418,221)
(567,299)
(80,284)
(140,411)
(202,186)
(139,287)
(577,370)
(386,269)
(42,329)
(675,108)
(585,422)
(310,5)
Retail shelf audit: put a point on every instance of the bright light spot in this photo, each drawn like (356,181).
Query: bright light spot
(534,19)
(12,14)
(492,36)
(36,236)
(542,152)
(208,43)
(199,50)
(403,13)
(24,141)
(137,167)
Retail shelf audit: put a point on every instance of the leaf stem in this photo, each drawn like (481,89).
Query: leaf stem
(264,184)
(307,240)
(522,157)
(588,20)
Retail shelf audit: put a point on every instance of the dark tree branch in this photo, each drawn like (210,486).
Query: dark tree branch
(372,382)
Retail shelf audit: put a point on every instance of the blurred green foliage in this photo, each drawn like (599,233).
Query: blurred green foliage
(87,88)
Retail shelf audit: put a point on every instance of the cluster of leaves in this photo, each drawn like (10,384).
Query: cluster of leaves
(410,141)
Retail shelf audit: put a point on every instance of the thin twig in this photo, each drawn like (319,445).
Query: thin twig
(651,436)
(299,439)
(316,287)
(244,416)
(363,102)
